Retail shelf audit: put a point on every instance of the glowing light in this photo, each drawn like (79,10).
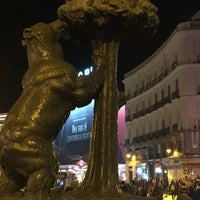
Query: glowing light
(168,151)
(139,171)
(128,155)
(158,170)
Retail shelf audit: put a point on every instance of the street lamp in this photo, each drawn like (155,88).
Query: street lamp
(173,153)
(129,166)
(129,154)
(168,151)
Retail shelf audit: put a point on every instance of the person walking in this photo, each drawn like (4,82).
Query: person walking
(158,191)
(191,190)
(165,185)
(183,195)
(197,192)
(173,189)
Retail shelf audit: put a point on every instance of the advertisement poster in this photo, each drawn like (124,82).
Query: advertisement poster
(72,143)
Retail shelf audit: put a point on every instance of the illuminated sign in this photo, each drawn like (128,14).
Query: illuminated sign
(85,72)
(73,140)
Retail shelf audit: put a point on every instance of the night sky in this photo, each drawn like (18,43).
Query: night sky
(17,15)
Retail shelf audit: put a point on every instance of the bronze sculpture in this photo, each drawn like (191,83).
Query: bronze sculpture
(51,89)
(105,23)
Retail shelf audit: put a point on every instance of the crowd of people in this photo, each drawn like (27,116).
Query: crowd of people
(183,189)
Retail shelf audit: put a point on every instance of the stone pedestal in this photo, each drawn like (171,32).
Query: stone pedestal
(67,196)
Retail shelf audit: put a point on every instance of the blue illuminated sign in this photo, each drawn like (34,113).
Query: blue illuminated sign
(85,72)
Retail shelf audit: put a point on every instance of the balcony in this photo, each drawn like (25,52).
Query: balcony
(128,118)
(152,135)
(174,64)
(126,142)
(164,131)
(160,104)
(135,93)
(175,95)
(150,109)
(148,85)
(167,100)
(128,97)
(156,80)
(154,107)
(135,115)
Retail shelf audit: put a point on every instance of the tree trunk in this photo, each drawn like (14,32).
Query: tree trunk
(102,173)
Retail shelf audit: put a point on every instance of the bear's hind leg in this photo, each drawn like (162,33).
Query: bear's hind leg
(40,181)
(8,186)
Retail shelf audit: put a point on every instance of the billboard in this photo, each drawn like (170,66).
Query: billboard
(72,142)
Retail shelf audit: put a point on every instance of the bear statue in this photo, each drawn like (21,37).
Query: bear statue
(51,89)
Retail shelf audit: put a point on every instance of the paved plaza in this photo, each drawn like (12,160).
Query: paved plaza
(167,197)
(65,197)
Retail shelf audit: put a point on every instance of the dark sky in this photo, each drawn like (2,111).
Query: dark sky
(17,15)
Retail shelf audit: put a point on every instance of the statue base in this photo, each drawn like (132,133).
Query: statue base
(73,196)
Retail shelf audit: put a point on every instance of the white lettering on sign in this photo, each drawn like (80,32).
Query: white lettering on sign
(79,128)
(85,72)
(78,137)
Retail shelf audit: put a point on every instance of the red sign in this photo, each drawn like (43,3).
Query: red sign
(81,163)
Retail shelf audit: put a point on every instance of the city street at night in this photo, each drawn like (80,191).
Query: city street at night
(100,100)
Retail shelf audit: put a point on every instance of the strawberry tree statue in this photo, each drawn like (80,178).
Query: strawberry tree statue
(106,23)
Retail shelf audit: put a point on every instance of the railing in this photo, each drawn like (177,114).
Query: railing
(156,80)
(175,127)
(126,142)
(175,95)
(167,100)
(152,135)
(151,108)
(128,118)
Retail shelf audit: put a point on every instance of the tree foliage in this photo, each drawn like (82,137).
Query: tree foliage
(129,19)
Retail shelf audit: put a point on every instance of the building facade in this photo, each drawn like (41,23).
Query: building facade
(163,108)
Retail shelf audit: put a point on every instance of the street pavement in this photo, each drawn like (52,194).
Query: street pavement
(167,197)
(65,197)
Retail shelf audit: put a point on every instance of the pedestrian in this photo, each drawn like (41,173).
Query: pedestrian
(133,186)
(140,191)
(183,194)
(158,191)
(125,186)
(173,189)
(165,185)
(197,192)
(191,190)
(151,187)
